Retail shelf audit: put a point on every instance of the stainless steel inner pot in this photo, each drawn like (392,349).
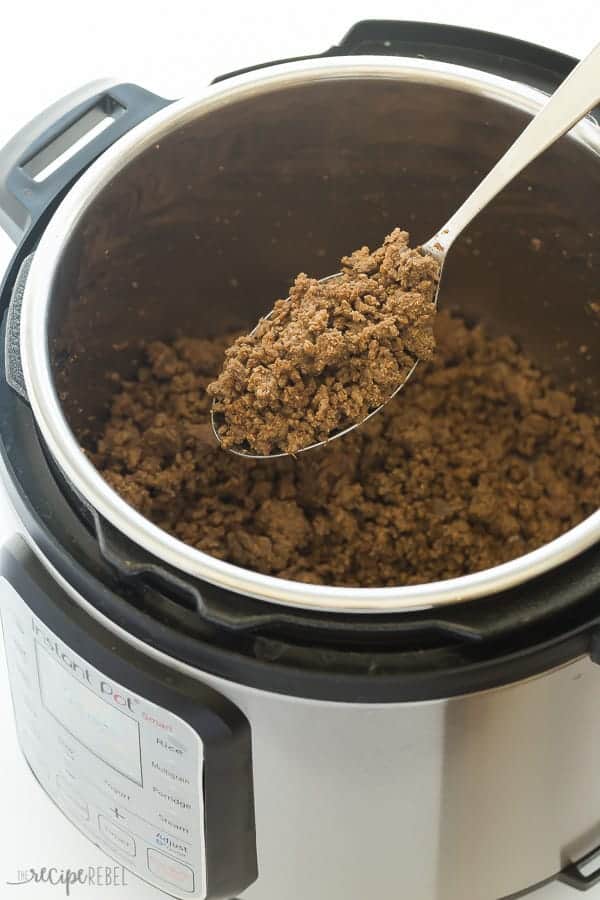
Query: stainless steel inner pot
(193,222)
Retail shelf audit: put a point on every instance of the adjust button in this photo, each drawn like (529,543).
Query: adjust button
(116,836)
(170,871)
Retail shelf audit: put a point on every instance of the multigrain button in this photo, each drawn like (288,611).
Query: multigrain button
(116,836)
(169,773)
(170,871)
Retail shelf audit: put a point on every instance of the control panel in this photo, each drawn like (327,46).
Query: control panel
(127,772)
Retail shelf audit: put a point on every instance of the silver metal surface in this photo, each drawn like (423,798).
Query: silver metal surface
(302,161)
(575,97)
(475,797)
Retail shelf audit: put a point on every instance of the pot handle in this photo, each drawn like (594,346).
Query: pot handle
(574,876)
(51,151)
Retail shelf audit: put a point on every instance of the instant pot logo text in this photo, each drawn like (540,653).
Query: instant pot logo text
(80,671)
(67,879)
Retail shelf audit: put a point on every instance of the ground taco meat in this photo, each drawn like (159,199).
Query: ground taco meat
(479,460)
(330,354)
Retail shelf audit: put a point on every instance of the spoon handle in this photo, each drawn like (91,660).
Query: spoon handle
(575,97)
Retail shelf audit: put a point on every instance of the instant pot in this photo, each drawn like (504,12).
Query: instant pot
(219,732)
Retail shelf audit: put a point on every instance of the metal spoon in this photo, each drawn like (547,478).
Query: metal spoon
(575,97)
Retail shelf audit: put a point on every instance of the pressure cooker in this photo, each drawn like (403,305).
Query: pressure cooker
(222,733)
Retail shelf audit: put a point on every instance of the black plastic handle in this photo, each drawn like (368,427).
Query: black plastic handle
(574,877)
(433,40)
(25,194)
(482,50)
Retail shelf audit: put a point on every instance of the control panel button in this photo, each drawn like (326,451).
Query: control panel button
(116,836)
(171,844)
(119,814)
(21,651)
(174,825)
(36,762)
(18,624)
(170,746)
(170,871)
(77,806)
(67,748)
(23,675)
(118,793)
(169,773)
(28,707)
(171,799)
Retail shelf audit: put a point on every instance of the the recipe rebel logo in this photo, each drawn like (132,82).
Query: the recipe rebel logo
(66,880)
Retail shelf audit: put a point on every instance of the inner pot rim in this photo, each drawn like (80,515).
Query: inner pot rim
(88,481)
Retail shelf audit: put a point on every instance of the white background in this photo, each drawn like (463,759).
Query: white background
(174,48)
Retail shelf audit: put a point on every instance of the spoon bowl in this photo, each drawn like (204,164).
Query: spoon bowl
(575,97)
(216,418)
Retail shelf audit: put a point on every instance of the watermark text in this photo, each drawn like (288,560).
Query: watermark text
(67,879)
